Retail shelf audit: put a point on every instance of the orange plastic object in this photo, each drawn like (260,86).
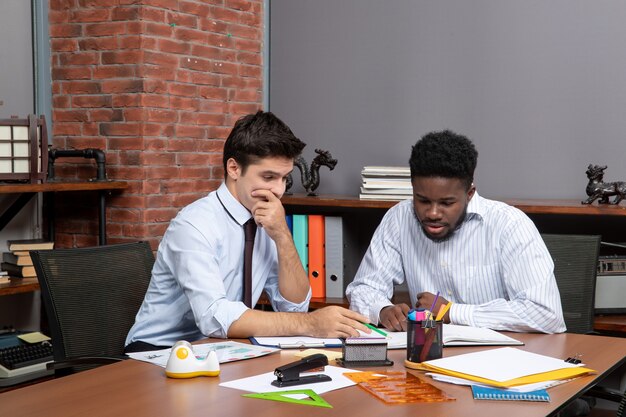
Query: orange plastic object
(397,387)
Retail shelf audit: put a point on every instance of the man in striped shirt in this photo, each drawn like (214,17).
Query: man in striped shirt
(485,256)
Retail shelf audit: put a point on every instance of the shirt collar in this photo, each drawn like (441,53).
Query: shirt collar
(475,208)
(233,207)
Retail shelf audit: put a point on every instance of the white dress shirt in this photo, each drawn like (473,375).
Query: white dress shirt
(196,289)
(495,268)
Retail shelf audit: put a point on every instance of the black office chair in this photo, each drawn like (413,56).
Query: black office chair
(575,267)
(622,406)
(91,297)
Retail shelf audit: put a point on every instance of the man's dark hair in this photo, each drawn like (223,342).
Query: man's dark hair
(444,154)
(260,135)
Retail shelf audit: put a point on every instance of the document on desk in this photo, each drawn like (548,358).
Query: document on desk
(505,367)
(263,382)
(226,352)
(395,340)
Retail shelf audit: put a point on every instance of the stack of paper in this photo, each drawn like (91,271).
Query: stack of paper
(505,367)
(386,183)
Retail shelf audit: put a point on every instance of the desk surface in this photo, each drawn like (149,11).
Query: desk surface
(141,389)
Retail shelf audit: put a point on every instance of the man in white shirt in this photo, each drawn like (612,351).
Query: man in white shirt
(197,286)
(485,256)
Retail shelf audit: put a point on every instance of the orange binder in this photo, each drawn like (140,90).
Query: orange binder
(317,270)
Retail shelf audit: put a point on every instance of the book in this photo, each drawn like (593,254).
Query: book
(29,244)
(480,392)
(385,184)
(390,197)
(400,191)
(18,271)
(455,335)
(20,260)
(383,171)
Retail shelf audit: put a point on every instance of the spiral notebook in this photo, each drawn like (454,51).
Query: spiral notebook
(488,393)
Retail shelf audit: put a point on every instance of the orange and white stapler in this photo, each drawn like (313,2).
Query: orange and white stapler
(182,362)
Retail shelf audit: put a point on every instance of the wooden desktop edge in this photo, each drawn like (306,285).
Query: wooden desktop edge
(52,186)
(529,206)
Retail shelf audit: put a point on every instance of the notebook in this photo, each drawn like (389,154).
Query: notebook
(395,340)
(488,393)
(455,335)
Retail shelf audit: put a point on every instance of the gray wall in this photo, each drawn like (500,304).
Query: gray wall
(23,311)
(540,86)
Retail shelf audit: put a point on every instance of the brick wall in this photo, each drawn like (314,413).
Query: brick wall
(157,85)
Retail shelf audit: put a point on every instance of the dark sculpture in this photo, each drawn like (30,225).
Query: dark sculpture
(597,189)
(311,177)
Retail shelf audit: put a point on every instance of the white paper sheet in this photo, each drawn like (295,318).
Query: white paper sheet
(263,382)
(501,364)
(226,352)
(518,388)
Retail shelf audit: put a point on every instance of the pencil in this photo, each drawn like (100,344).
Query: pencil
(443,310)
(377,330)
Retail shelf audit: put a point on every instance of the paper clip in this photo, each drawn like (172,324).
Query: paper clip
(575,359)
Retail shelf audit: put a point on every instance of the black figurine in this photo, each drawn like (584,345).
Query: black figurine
(597,189)
(311,177)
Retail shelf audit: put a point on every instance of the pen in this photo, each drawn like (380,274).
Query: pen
(375,329)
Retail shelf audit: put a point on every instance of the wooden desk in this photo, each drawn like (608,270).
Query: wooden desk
(141,389)
(27,191)
(610,323)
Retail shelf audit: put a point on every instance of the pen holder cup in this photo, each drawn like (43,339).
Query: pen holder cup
(424,341)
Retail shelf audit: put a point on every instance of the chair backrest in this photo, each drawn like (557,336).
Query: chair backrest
(91,295)
(575,268)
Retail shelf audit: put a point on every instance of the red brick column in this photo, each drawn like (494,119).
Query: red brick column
(157,85)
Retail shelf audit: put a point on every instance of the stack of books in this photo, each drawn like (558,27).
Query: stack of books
(17,263)
(386,183)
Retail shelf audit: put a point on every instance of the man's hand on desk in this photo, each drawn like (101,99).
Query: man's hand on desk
(394,317)
(335,321)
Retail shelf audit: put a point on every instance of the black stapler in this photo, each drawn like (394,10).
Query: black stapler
(291,373)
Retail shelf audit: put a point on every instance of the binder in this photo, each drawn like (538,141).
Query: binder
(488,393)
(301,238)
(333,229)
(289,220)
(317,274)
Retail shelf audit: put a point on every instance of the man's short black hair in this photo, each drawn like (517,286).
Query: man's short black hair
(260,135)
(444,154)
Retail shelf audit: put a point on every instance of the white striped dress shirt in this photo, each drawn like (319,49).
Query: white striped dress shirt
(197,279)
(495,268)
